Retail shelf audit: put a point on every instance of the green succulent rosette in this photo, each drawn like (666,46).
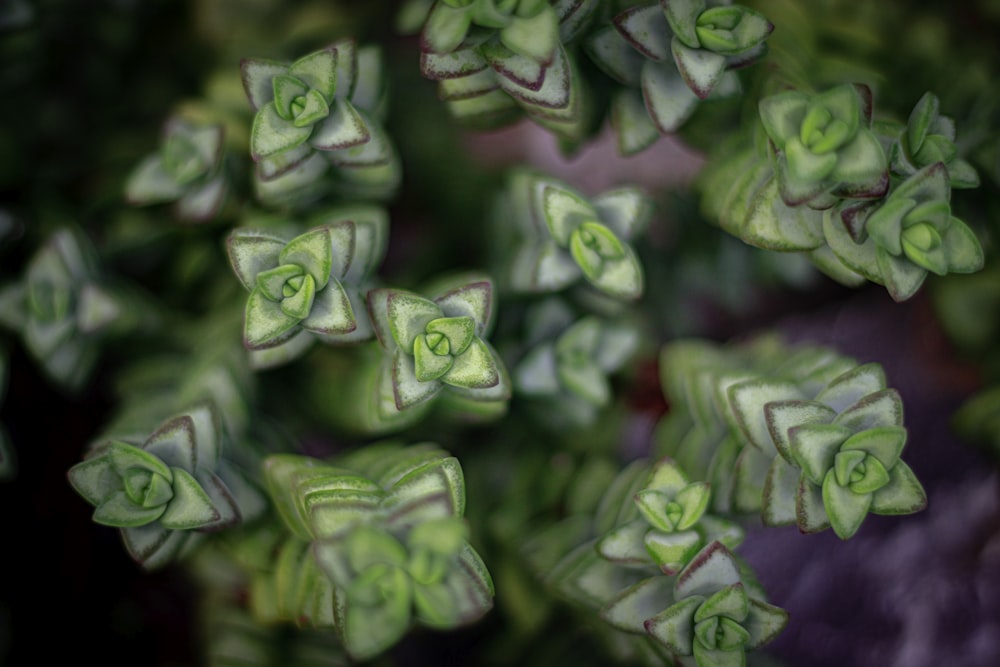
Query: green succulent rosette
(316,115)
(438,345)
(716,617)
(825,148)
(668,524)
(518,64)
(388,549)
(312,284)
(188,170)
(928,138)
(562,237)
(566,370)
(668,57)
(909,234)
(384,584)
(64,309)
(838,450)
(529,28)
(165,493)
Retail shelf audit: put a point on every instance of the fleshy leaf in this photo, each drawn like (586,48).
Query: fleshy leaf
(674,627)
(763,622)
(409,390)
(962,248)
(258,76)
(564,211)
(713,568)
(624,544)
(446,28)
(476,368)
(319,71)
(672,551)
(701,69)
(814,447)
(473,299)
(271,134)
(845,508)
(536,37)
(782,416)
(902,495)
(682,16)
(331,311)
(885,443)
(630,609)
(668,99)
(120,512)
(265,323)
(342,128)
(409,315)
(645,29)
(190,507)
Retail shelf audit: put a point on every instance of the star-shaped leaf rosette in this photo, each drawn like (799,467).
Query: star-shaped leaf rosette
(493,59)
(671,55)
(838,450)
(564,237)
(667,524)
(825,148)
(188,170)
(166,493)
(905,236)
(389,545)
(567,366)
(928,138)
(65,309)
(717,615)
(438,345)
(320,111)
(309,286)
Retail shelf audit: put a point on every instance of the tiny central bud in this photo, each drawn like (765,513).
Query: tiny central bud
(674,512)
(858,473)
(292,286)
(923,236)
(438,343)
(298,105)
(588,238)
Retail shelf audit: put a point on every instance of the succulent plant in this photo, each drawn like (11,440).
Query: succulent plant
(671,526)
(717,617)
(188,169)
(838,451)
(389,545)
(165,493)
(529,28)
(439,344)
(566,237)
(317,113)
(64,310)
(670,55)
(566,370)
(311,283)
(910,233)
(929,138)
(825,147)
(516,62)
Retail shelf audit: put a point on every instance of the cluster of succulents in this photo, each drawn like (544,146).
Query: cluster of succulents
(809,438)
(534,324)
(368,544)
(863,200)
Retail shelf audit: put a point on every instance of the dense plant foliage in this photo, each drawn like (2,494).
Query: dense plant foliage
(358,385)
